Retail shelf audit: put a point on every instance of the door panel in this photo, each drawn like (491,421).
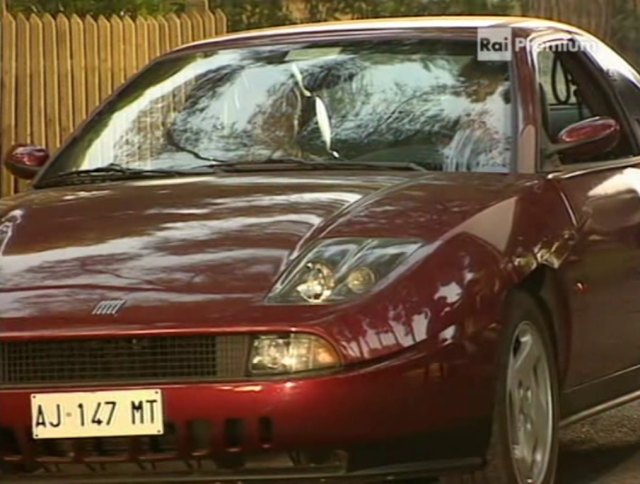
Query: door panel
(602,276)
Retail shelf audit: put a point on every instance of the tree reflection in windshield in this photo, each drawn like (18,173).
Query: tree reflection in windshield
(427,102)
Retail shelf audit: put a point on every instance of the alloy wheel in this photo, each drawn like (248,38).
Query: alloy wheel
(529,405)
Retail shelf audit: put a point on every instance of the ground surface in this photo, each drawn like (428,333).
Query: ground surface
(603,450)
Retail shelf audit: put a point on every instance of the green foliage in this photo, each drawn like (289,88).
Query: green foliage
(247,14)
(625,35)
(327,9)
(251,14)
(626,18)
(98,7)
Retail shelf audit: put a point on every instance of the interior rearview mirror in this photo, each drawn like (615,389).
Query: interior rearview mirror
(25,161)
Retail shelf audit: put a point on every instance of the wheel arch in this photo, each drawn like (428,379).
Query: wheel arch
(544,285)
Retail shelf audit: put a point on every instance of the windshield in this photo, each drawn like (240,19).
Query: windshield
(428,102)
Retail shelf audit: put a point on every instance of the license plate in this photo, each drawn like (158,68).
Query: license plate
(96,414)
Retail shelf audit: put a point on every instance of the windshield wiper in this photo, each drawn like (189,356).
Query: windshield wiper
(106,171)
(385,165)
(346,164)
(171,141)
(313,164)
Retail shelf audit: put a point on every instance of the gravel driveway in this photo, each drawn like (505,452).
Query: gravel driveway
(603,450)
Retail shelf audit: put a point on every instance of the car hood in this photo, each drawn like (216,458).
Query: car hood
(230,234)
(226,237)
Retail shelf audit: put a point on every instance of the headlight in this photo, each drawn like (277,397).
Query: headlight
(336,270)
(279,355)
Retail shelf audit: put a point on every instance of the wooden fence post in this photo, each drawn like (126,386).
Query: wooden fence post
(58,69)
(3,174)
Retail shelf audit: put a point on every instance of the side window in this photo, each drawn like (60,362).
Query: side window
(570,92)
(624,78)
(559,93)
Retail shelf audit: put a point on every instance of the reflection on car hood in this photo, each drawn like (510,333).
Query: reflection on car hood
(202,252)
(215,235)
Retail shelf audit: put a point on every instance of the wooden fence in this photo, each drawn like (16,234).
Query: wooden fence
(56,70)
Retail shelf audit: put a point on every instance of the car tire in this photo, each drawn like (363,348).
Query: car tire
(525,320)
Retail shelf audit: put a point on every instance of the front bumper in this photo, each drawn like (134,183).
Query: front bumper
(411,415)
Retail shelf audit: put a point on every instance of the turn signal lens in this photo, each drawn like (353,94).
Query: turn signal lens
(280,355)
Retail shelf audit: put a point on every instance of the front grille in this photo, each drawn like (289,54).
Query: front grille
(204,450)
(122,361)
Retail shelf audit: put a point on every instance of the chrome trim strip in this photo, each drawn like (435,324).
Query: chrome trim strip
(585,168)
(604,407)
(109,307)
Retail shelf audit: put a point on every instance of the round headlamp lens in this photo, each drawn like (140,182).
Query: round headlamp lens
(361,280)
(319,283)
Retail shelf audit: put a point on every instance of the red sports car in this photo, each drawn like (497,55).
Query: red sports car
(385,249)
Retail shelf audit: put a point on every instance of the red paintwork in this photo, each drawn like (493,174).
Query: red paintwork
(198,255)
(24,161)
(300,408)
(601,135)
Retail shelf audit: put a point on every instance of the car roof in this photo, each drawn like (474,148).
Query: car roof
(527,24)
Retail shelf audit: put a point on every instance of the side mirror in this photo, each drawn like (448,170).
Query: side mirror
(25,161)
(588,139)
